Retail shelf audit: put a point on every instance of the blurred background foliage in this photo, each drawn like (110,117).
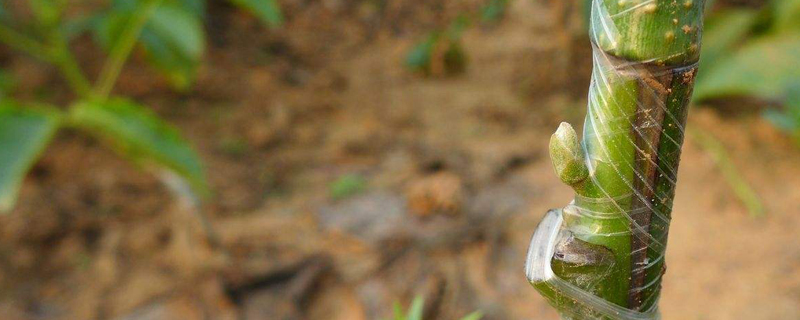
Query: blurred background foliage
(171,34)
(752,52)
(349,154)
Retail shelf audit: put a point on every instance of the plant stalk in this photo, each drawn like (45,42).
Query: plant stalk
(123,47)
(71,70)
(58,54)
(615,232)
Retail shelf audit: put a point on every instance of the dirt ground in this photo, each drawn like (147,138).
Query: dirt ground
(456,173)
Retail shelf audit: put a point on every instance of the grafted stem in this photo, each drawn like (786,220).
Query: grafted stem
(624,176)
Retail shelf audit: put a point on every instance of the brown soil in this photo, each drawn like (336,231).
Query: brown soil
(456,170)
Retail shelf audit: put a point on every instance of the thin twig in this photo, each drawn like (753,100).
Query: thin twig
(21,42)
(58,55)
(70,69)
(122,49)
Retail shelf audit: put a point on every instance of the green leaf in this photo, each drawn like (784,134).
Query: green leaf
(398,311)
(139,134)
(456,28)
(179,28)
(477,315)
(7,84)
(788,120)
(419,58)
(76,26)
(493,11)
(173,37)
(346,186)
(762,68)
(174,40)
(46,12)
(793,97)
(108,27)
(195,7)
(24,133)
(781,120)
(785,13)
(179,70)
(415,312)
(721,32)
(268,11)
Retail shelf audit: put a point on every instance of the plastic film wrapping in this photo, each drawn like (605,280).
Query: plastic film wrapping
(602,256)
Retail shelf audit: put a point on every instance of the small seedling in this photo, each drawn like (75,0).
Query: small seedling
(170,33)
(442,51)
(415,311)
(347,186)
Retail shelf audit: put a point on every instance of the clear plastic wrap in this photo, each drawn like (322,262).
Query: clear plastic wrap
(602,256)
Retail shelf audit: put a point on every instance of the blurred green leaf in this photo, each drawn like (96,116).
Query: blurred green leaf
(721,32)
(108,27)
(761,68)
(346,186)
(46,12)
(195,7)
(419,58)
(7,84)
(788,119)
(139,134)
(24,133)
(785,14)
(179,70)
(782,120)
(173,38)
(179,29)
(415,311)
(268,11)
(422,56)
(493,11)
(76,26)
(397,311)
(456,28)
(793,97)
(477,315)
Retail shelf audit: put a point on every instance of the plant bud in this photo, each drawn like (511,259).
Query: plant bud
(567,156)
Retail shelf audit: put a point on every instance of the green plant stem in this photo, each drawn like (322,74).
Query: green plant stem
(71,70)
(23,43)
(57,54)
(641,85)
(122,49)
